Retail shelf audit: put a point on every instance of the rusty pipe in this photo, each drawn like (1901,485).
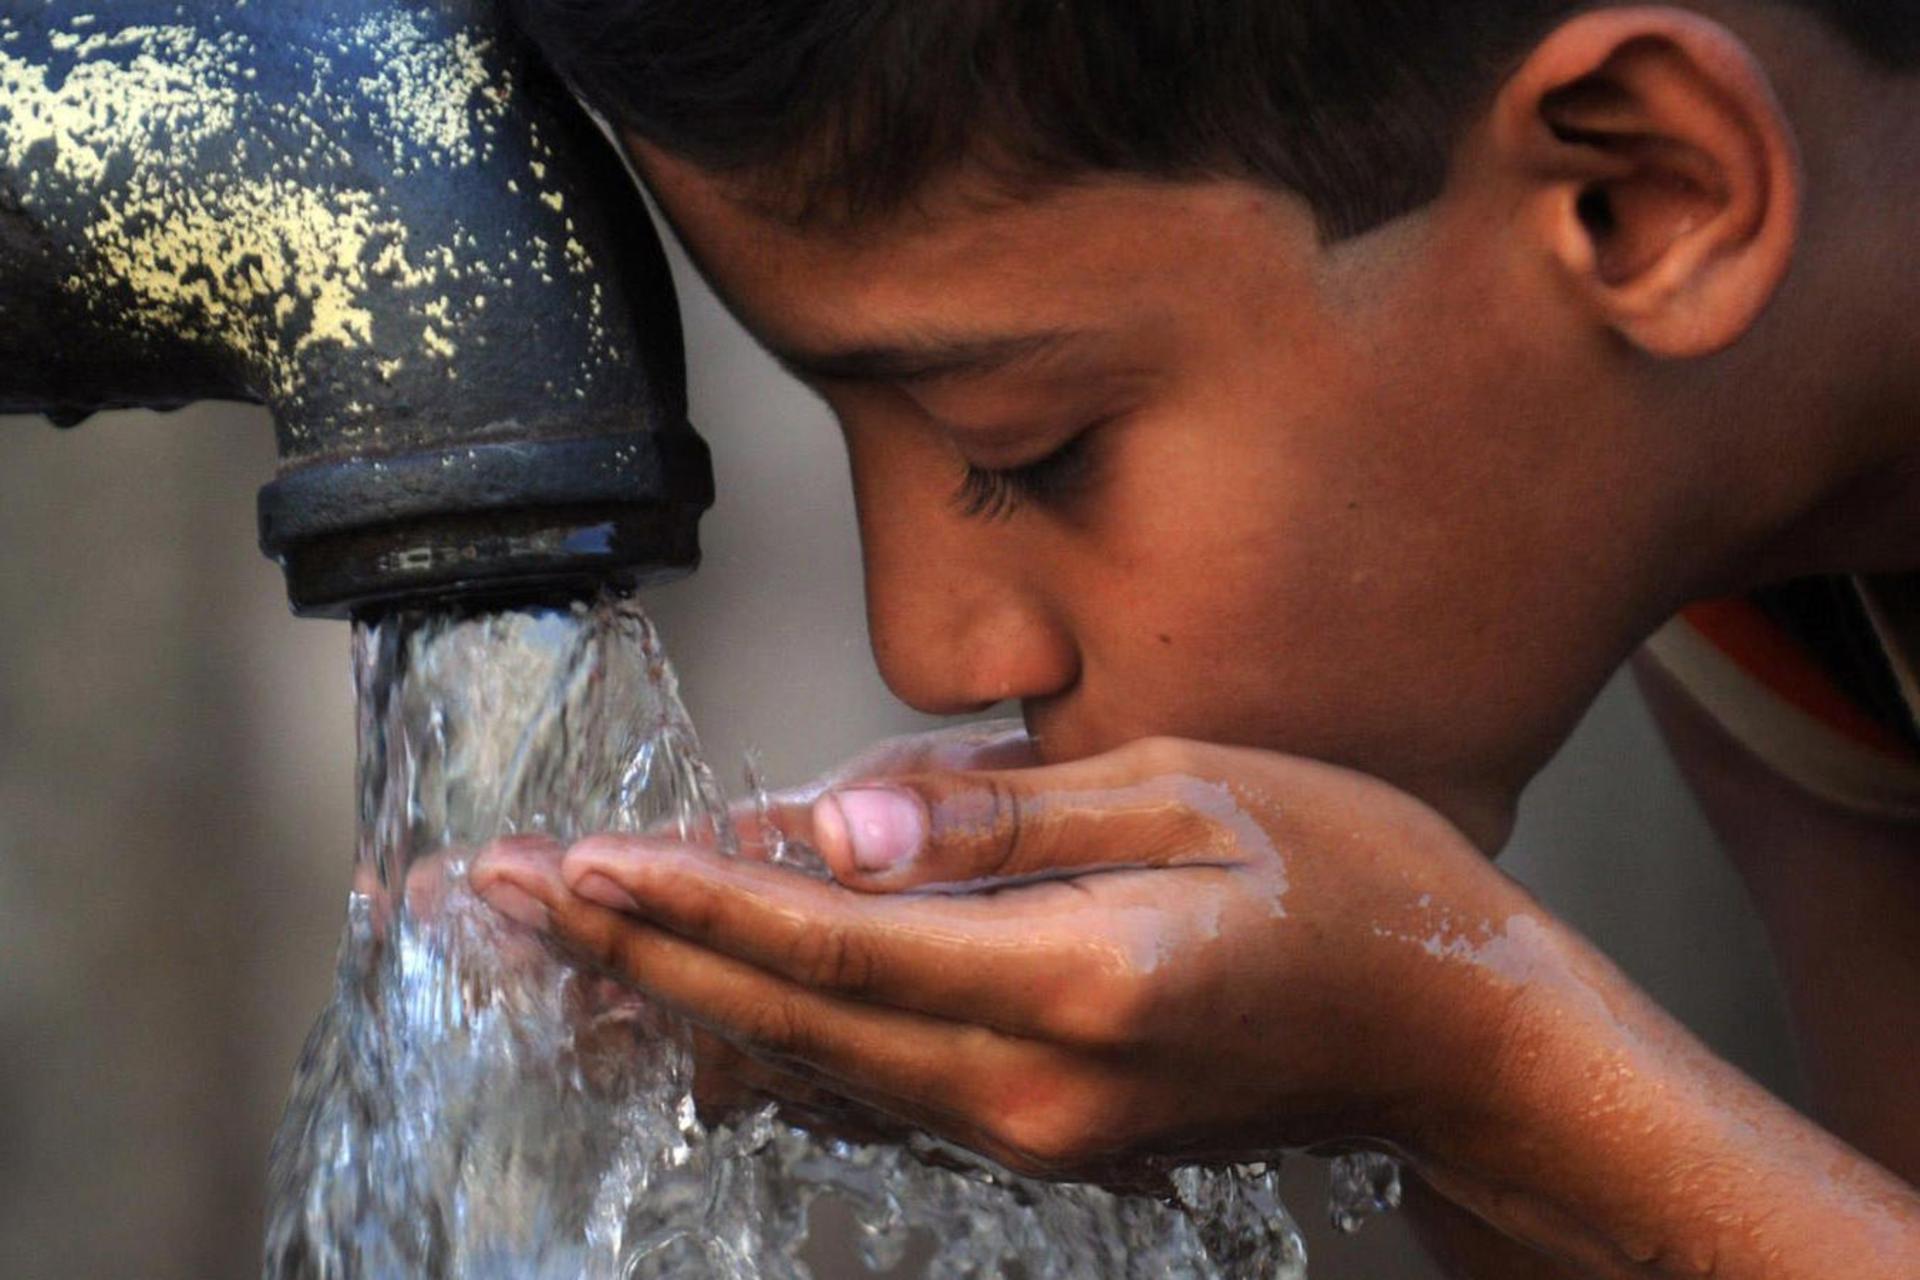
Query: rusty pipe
(385,221)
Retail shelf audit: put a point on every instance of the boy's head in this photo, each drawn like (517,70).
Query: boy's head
(1353,378)
(836,108)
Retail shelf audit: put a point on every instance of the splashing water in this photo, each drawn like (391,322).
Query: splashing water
(470,1106)
(1363,1184)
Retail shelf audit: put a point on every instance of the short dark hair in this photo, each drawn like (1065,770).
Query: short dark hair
(846,107)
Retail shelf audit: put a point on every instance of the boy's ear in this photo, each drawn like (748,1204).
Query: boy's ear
(1659,170)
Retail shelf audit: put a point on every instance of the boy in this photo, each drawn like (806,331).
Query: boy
(1301,407)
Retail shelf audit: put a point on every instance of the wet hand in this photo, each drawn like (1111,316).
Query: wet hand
(1171,951)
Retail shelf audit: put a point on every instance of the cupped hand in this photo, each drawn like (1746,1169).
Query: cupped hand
(1172,951)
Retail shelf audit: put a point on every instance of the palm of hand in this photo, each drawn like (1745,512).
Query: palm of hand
(1173,951)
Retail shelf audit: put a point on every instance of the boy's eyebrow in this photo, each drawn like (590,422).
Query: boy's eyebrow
(922,361)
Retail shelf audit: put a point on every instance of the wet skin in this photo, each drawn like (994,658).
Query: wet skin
(1342,540)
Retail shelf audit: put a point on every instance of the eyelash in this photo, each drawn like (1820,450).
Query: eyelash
(994,495)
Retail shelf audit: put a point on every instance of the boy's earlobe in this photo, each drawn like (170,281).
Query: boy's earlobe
(1660,170)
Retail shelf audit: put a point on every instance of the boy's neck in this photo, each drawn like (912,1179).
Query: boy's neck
(1851,343)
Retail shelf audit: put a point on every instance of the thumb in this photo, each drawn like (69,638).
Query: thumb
(761,824)
(951,829)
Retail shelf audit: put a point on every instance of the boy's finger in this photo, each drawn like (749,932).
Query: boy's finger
(788,815)
(1022,968)
(729,1082)
(958,829)
(991,744)
(928,1065)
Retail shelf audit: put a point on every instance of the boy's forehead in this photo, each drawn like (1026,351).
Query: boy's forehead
(1040,264)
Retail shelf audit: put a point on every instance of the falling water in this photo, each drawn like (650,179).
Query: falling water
(470,1106)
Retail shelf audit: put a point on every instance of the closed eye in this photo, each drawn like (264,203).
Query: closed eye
(989,494)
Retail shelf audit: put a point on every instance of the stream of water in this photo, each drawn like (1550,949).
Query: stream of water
(470,1106)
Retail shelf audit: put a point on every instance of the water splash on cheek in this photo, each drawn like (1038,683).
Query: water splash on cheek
(470,1106)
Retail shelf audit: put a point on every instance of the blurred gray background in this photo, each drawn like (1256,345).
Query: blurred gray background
(176,810)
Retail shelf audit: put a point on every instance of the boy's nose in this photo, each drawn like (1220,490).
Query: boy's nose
(955,643)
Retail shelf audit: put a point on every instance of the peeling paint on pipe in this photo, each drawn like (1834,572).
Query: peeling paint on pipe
(385,221)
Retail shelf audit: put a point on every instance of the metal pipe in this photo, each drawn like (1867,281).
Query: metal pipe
(386,222)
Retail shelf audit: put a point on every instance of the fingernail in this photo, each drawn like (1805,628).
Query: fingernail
(595,887)
(518,905)
(884,827)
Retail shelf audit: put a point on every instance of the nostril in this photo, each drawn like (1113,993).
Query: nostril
(990,667)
